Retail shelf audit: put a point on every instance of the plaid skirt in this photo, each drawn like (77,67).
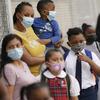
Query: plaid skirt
(58,88)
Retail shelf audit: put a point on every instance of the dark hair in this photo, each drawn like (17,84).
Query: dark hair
(98,28)
(4,58)
(85,27)
(42,3)
(27,90)
(50,52)
(73,31)
(19,9)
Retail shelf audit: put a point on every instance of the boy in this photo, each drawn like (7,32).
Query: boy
(45,26)
(82,64)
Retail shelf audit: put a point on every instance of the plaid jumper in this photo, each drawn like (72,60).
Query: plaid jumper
(58,88)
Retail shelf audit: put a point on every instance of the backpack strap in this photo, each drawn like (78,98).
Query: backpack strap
(66,50)
(68,85)
(98,45)
(43,78)
(89,54)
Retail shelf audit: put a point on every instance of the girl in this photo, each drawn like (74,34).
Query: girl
(36,91)
(62,86)
(15,72)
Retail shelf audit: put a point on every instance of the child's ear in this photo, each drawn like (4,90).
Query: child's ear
(47,64)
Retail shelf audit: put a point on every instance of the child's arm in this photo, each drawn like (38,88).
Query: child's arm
(95,63)
(74,88)
(56,32)
(74,98)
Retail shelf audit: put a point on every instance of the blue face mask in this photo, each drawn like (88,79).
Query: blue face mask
(27,21)
(52,15)
(15,54)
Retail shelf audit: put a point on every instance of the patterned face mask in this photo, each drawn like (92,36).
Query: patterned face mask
(78,47)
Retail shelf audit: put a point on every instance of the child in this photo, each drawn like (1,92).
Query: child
(36,91)
(61,85)
(82,64)
(16,73)
(46,26)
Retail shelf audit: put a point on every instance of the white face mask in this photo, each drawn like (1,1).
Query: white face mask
(15,54)
(52,15)
(27,21)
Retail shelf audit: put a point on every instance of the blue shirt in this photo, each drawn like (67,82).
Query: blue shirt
(45,29)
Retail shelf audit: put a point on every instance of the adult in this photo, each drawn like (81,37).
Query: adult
(34,51)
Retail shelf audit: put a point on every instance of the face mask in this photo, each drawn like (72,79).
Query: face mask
(91,39)
(78,47)
(52,15)
(56,67)
(15,54)
(27,21)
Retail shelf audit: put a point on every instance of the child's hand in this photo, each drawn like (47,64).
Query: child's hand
(83,57)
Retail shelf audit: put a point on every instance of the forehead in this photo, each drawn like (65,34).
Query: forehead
(49,6)
(13,42)
(79,37)
(40,94)
(27,10)
(56,55)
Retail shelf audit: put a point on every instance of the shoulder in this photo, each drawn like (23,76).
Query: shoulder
(73,79)
(9,66)
(54,22)
(91,52)
(37,19)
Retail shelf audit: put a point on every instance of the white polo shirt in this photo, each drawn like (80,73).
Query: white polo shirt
(74,85)
(88,78)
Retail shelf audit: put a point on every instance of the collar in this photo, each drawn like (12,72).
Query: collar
(48,74)
(73,53)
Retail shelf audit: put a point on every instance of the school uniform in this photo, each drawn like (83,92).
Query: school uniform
(58,85)
(95,47)
(88,81)
(45,29)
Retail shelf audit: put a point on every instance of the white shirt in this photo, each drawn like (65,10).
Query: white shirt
(74,85)
(88,79)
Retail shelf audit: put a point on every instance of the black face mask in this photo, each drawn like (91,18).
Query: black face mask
(91,39)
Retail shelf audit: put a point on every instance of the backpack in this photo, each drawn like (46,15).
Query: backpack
(44,79)
(87,52)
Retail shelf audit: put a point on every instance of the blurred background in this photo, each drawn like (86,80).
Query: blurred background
(70,13)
